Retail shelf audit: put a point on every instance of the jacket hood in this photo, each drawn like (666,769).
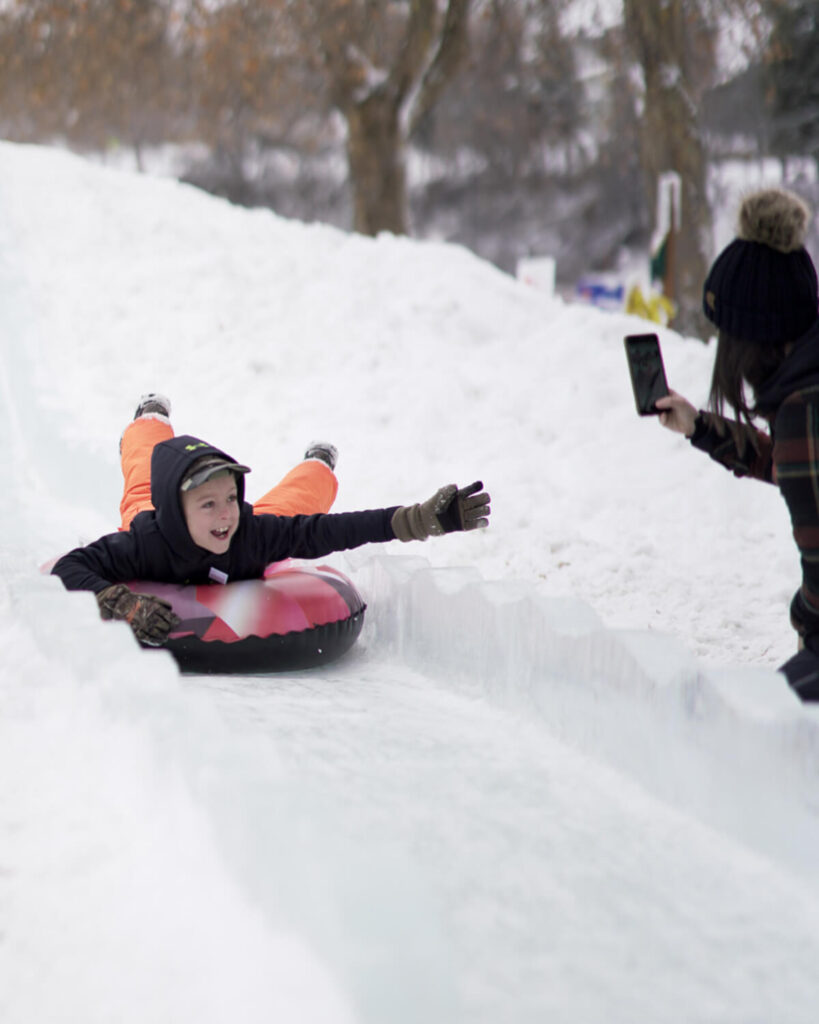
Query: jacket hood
(170,461)
(799,369)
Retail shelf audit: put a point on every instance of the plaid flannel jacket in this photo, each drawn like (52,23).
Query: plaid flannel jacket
(789,458)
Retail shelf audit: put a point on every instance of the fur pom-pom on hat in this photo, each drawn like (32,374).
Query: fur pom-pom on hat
(762,288)
(775,218)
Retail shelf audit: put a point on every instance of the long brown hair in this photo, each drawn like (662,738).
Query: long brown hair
(736,364)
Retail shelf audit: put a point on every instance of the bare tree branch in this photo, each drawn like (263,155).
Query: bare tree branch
(452,48)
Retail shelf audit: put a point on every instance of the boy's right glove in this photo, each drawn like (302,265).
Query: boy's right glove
(151,618)
(447,510)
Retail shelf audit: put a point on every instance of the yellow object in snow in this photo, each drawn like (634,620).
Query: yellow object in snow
(656,307)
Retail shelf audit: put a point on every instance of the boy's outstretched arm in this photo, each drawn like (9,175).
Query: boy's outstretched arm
(449,509)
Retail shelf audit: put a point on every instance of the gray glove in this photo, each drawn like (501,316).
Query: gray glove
(151,618)
(449,509)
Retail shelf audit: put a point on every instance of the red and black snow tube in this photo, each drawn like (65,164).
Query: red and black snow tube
(299,616)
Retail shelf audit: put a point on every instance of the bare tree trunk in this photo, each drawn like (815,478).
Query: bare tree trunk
(670,142)
(385,65)
(375,154)
(662,38)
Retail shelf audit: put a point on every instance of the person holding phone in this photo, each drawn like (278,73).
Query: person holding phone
(761,293)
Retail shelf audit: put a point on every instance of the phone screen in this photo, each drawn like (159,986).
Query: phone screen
(647,372)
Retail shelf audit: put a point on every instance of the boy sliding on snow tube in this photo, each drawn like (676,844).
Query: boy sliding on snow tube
(185,520)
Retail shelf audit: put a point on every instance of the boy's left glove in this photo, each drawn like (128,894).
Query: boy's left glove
(449,509)
(151,618)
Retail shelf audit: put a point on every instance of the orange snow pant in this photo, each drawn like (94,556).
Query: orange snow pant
(309,487)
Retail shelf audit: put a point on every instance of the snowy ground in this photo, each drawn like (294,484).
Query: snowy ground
(556,779)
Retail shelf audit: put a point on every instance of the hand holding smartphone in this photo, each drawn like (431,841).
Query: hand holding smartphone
(645,363)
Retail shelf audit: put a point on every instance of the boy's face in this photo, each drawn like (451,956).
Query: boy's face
(212,512)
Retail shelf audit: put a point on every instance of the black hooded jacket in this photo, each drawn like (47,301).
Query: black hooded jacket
(159,547)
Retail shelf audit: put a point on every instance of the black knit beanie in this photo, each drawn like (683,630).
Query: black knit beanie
(762,287)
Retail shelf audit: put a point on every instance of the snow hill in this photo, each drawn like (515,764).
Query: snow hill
(558,777)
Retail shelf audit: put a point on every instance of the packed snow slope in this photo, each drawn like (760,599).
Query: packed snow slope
(558,777)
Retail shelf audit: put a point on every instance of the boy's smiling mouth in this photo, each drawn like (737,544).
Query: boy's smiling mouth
(221,533)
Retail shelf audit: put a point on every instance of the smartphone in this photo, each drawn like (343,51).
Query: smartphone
(645,362)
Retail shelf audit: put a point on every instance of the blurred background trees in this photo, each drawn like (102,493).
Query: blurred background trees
(90,71)
(791,78)
(506,125)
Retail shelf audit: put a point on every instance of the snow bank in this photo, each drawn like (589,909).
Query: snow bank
(157,867)
(735,747)
(106,855)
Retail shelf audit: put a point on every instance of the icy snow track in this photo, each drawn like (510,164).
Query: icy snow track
(451,825)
